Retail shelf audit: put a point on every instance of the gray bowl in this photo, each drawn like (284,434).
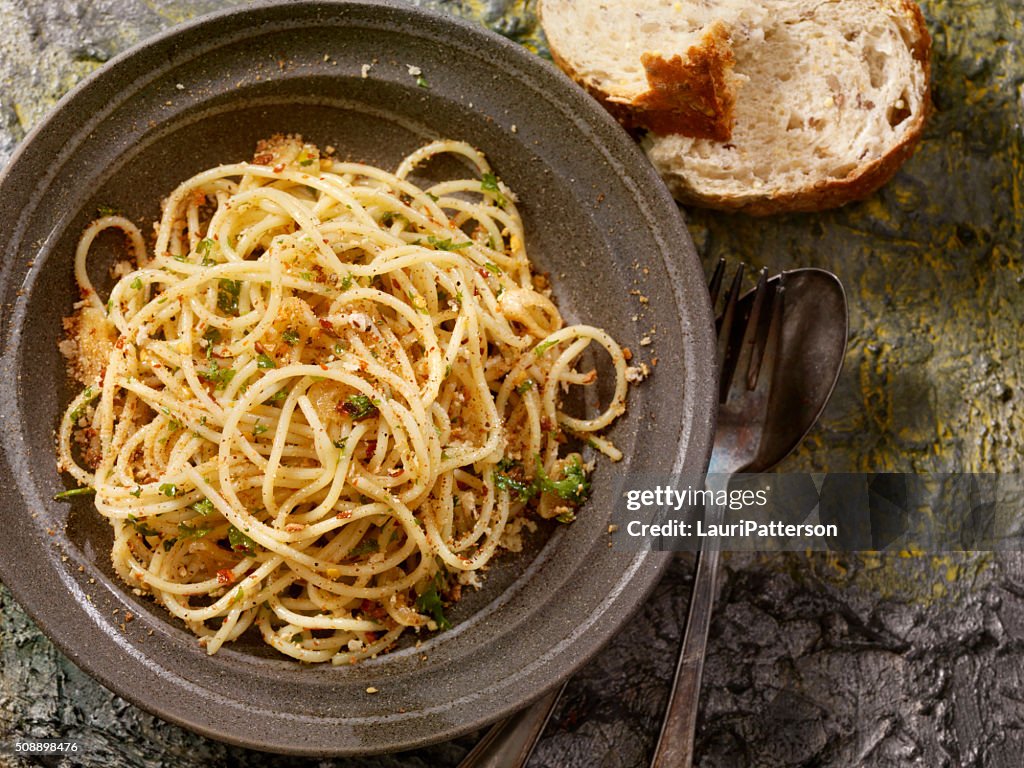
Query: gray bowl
(597,218)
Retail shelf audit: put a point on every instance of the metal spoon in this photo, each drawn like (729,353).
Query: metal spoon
(753,436)
(815,329)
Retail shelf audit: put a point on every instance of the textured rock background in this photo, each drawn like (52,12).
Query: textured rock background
(816,660)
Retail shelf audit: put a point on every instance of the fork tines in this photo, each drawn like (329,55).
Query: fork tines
(747,339)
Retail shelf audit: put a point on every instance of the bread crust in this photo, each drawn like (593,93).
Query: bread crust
(692,95)
(833,193)
(859,184)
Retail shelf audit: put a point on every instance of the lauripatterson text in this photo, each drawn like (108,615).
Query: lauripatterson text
(742,529)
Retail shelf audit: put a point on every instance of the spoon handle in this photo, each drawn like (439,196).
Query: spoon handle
(675,744)
(509,743)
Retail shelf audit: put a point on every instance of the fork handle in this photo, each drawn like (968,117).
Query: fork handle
(675,744)
(510,743)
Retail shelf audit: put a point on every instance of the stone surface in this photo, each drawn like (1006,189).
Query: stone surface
(814,660)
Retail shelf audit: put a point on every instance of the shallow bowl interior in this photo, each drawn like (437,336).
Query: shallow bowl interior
(596,218)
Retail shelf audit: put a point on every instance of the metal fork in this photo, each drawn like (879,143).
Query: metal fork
(748,348)
(509,743)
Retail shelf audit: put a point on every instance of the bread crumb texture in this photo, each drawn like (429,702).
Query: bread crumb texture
(835,101)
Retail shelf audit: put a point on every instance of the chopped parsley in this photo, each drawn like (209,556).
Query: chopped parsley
(259,428)
(227,296)
(510,477)
(88,395)
(525,386)
(543,347)
(206,248)
(108,210)
(447,244)
(136,283)
(137,492)
(421,81)
(359,407)
(204,507)
(142,527)
(367,547)
(290,336)
(430,603)
(265,361)
(211,337)
(494,269)
(574,486)
(192,531)
(70,494)
(346,282)
(489,183)
(240,542)
(277,397)
(169,489)
(219,377)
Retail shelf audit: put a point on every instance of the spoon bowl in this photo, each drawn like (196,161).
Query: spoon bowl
(815,327)
(809,358)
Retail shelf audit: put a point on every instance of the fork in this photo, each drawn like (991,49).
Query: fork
(509,743)
(746,355)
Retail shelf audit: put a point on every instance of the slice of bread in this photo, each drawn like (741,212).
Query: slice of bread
(831,98)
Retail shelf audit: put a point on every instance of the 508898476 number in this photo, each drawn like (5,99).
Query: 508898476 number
(45,745)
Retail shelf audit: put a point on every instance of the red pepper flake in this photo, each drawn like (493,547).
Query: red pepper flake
(327,325)
(371,448)
(343,515)
(225,576)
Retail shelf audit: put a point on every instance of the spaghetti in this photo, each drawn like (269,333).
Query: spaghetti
(326,398)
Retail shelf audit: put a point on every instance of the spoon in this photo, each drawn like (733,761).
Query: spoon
(814,335)
(754,434)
